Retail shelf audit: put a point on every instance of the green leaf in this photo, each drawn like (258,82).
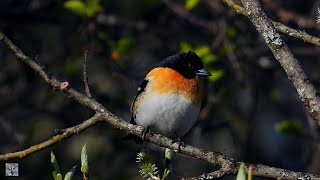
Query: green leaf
(93,7)
(207,59)
(84,160)
(76,6)
(54,174)
(59,177)
(79,7)
(241,173)
(190,4)
(216,74)
(168,153)
(54,162)
(289,127)
(70,174)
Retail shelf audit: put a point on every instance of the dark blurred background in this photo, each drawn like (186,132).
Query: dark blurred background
(251,111)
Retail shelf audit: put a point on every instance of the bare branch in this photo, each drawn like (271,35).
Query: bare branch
(279,26)
(227,164)
(296,33)
(282,53)
(181,11)
(216,174)
(55,139)
(236,7)
(85,76)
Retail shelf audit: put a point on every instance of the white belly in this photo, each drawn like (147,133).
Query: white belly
(168,115)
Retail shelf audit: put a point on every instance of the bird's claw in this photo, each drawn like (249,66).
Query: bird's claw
(144,132)
(178,140)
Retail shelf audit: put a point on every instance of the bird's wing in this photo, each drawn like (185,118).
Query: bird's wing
(141,89)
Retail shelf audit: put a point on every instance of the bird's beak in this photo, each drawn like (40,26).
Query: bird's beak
(203,73)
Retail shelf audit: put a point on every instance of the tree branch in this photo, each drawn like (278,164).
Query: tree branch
(181,11)
(55,139)
(85,76)
(228,165)
(279,26)
(282,53)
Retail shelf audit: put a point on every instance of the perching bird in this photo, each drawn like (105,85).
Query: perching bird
(169,98)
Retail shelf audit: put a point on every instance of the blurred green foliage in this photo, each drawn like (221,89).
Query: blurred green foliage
(121,47)
(289,127)
(80,7)
(275,94)
(190,4)
(231,32)
(208,58)
(124,45)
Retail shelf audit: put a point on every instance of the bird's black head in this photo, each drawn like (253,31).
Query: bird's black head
(187,64)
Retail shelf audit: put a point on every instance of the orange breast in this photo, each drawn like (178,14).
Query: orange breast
(167,80)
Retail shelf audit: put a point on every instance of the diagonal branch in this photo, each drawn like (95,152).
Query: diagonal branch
(279,26)
(181,11)
(228,165)
(55,139)
(282,53)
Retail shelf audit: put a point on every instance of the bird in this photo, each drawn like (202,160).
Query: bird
(169,98)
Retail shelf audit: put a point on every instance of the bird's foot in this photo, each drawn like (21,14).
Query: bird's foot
(138,140)
(178,140)
(144,132)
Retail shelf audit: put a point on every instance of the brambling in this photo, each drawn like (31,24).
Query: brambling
(169,98)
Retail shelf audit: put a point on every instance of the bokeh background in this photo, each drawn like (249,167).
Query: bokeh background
(251,111)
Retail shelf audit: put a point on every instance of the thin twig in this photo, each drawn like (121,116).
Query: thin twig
(297,33)
(182,12)
(103,115)
(85,76)
(236,7)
